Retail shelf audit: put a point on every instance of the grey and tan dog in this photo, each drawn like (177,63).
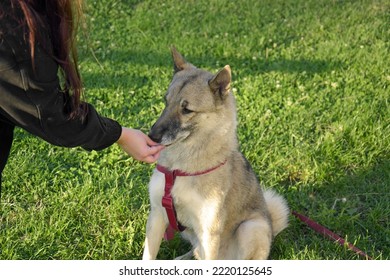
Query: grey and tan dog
(225,212)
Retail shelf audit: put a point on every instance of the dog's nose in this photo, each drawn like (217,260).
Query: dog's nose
(155,135)
(154,138)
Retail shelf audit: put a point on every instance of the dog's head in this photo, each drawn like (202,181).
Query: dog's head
(196,102)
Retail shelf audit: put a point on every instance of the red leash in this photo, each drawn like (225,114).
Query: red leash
(331,235)
(167,200)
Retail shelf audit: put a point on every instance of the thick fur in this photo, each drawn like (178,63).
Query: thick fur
(226,212)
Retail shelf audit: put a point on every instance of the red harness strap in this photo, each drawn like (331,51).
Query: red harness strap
(167,200)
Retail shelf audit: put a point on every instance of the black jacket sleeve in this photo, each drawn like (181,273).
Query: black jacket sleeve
(30,97)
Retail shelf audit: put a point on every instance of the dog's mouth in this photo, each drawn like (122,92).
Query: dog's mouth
(166,145)
(170,142)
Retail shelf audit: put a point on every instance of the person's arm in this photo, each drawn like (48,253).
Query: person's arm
(30,98)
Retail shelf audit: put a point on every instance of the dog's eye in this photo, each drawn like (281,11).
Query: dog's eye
(184,108)
(186,111)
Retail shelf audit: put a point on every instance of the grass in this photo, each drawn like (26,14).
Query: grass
(311,80)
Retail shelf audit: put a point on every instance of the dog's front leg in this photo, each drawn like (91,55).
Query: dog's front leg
(208,231)
(208,248)
(155,228)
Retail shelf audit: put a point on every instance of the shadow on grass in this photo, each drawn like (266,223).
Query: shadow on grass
(355,206)
(244,66)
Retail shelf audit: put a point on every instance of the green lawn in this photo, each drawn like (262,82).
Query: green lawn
(311,80)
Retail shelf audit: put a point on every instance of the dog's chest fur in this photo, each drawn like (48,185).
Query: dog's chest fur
(196,207)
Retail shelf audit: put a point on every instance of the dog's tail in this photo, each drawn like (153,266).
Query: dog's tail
(278,209)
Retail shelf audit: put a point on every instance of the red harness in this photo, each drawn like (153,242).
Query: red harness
(167,200)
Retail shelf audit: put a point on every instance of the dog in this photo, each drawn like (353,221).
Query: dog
(216,197)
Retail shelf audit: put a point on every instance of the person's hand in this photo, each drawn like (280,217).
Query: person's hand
(138,145)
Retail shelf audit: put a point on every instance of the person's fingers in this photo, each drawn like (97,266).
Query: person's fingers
(153,154)
(150,142)
(138,145)
(151,158)
(156,149)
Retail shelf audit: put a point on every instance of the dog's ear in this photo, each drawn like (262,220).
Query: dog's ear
(179,63)
(220,83)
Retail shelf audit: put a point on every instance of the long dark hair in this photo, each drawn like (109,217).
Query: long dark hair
(63,19)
